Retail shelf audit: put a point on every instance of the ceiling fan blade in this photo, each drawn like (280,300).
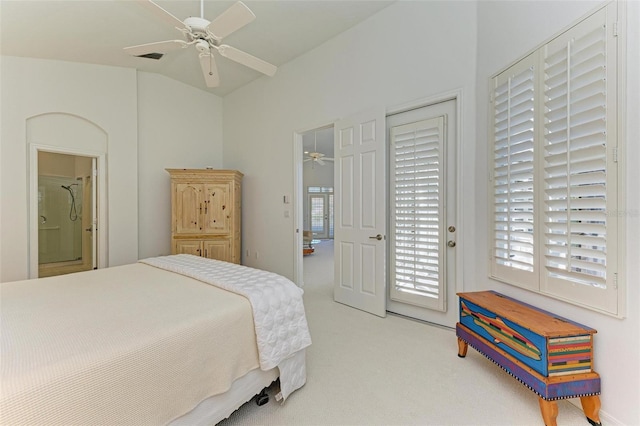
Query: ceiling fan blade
(319,161)
(232,19)
(308,159)
(247,60)
(158,47)
(161,13)
(209,70)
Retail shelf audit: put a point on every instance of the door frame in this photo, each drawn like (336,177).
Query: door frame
(457,96)
(101,213)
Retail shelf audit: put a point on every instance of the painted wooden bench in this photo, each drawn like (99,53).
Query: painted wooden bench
(551,355)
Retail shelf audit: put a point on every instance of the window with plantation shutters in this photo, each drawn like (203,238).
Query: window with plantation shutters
(416,216)
(513,173)
(555,168)
(579,171)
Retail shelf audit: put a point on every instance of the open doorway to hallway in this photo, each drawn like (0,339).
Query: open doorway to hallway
(316,198)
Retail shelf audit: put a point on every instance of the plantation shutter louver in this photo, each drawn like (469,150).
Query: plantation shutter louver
(416,215)
(513,160)
(579,175)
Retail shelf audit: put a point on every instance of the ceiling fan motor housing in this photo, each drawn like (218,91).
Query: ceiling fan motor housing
(198,26)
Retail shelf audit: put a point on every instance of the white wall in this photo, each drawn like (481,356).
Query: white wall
(408,51)
(152,123)
(506,31)
(104,95)
(178,127)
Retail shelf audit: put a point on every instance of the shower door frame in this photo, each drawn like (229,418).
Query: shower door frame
(100,181)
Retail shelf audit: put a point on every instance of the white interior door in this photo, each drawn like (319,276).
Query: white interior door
(360,212)
(423,228)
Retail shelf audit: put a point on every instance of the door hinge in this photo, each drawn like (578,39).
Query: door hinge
(490,176)
(615,280)
(615,154)
(615,29)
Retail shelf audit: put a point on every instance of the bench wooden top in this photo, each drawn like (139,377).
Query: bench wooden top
(537,320)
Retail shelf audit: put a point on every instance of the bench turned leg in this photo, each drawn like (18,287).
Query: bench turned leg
(549,411)
(462,348)
(591,408)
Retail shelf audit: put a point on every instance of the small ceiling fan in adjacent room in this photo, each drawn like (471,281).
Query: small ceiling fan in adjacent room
(207,37)
(315,156)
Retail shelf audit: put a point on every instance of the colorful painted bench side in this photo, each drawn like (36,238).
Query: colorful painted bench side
(547,388)
(516,336)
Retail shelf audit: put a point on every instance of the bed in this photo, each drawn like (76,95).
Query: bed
(168,340)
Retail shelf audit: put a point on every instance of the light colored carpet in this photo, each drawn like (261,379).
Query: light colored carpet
(365,370)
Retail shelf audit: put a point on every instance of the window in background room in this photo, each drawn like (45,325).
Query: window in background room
(320,201)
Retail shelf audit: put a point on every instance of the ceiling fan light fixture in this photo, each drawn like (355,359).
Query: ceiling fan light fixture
(202,46)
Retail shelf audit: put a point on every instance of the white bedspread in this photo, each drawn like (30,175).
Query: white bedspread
(131,344)
(278,310)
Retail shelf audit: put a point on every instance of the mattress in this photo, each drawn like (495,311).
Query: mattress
(132,344)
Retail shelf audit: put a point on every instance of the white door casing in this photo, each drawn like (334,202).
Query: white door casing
(360,212)
(73,135)
(434,299)
(99,204)
(94,213)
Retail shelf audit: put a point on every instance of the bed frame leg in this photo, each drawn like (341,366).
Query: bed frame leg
(262,398)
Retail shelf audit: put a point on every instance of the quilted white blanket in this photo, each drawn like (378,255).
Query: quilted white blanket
(278,310)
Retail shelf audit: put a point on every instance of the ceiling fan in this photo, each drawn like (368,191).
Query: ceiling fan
(206,36)
(315,156)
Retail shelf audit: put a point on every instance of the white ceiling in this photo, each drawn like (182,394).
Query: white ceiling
(95,32)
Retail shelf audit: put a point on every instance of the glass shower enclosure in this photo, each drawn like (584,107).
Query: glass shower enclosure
(60,219)
(65,237)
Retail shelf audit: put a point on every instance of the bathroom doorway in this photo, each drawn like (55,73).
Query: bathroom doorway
(66,213)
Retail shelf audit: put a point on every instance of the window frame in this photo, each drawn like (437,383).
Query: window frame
(539,280)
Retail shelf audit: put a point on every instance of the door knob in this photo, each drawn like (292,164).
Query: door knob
(377,237)
(451,243)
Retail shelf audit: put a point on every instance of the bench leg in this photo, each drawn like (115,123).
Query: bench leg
(591,408)
(462,348)
(549,411)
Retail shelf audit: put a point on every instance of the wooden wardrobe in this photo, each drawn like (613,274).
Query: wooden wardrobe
(206,213)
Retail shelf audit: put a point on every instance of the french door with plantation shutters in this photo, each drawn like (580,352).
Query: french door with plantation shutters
(422,187)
